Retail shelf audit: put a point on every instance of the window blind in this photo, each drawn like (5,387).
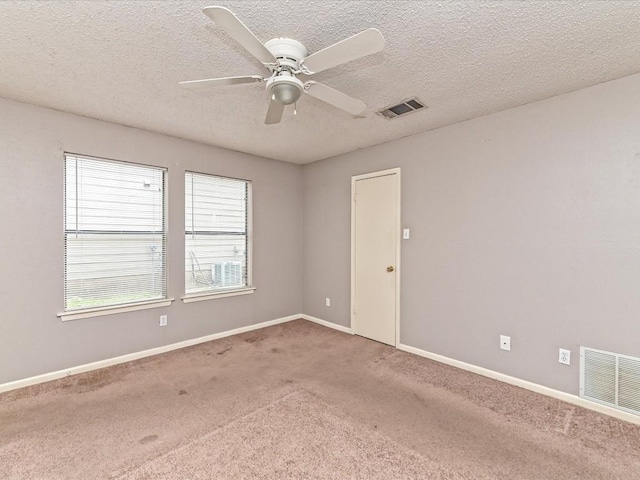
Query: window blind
(115,239)
(216,238)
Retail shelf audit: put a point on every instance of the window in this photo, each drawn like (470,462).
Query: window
(216,234)
(114,228)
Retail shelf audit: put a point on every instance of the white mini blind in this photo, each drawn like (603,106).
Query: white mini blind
(114,227)
(216,233)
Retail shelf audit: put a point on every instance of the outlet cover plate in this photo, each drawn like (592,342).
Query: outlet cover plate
(564,356)
(163,320)
(505,343)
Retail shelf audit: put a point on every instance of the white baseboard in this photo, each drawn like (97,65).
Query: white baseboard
(47,377)
(324,323)
(534,387)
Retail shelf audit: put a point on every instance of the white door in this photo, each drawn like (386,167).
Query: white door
(375,256)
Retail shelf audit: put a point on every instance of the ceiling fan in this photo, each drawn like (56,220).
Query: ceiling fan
(286,58)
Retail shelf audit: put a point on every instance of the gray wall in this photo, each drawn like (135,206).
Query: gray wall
(32,339)
(524,223)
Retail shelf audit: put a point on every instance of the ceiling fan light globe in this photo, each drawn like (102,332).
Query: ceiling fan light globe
(286,93)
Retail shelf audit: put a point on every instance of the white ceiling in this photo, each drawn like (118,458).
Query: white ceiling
(121,61)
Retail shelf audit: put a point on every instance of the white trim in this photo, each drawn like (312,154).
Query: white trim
(324,323)
(354,179)
(199,297)
(249,252)
(581,388)
(97,312)
(113,309)
(398,253)
(47,377)
(534,387)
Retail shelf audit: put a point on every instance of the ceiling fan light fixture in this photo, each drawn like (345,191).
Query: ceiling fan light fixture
(286,93)
(285,89)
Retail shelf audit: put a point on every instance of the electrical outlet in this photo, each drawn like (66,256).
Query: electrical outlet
(505,342)
(327,302)
(564,356)
(163,320)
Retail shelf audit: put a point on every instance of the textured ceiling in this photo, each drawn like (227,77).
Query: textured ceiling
(121,61)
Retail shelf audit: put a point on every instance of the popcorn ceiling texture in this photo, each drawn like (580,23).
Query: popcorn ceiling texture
(121,62)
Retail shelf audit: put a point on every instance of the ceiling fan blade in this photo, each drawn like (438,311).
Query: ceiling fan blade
(274,113)
(210,82)
(360,45)
(336,98)
(225,19)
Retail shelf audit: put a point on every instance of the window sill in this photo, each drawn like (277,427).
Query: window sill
(100,311)
(199,297)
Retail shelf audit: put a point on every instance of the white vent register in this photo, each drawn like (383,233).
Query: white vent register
(610,378)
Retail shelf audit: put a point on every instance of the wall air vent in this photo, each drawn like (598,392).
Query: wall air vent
(611,379)
(401,109)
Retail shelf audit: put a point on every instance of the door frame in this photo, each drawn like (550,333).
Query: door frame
(398,226)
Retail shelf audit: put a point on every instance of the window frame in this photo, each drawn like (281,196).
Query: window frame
(79,313)
(247,289)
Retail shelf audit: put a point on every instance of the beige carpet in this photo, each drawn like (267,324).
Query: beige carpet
(298,400)
(298,436)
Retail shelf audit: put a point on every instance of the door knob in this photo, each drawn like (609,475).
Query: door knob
(390,268)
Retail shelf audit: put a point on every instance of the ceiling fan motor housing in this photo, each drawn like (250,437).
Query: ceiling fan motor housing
(288,51)
(284,87)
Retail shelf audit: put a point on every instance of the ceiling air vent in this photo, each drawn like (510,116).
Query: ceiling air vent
(610,378)
(407,106)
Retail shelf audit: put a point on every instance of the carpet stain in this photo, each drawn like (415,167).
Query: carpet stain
(277,350)
(567,421)
(183,392)
(253,339)
(148,439)
(591,444)
(91,381)
(222,352)
(81,383)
